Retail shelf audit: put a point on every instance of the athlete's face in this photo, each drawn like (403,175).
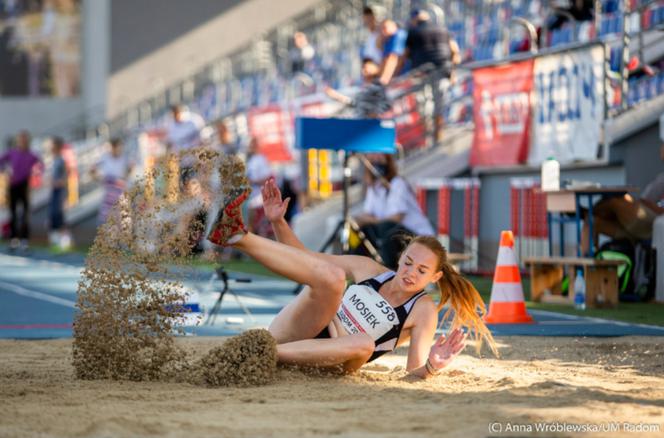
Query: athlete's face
(418,266)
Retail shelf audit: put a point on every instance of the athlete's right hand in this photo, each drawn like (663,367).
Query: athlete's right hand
(273,206)
(445,349)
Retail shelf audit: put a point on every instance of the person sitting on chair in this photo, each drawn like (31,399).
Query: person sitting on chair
(390,211)
(330,324)
(626,217)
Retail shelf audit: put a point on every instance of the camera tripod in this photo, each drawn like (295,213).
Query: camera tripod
(341,233)
(221,274)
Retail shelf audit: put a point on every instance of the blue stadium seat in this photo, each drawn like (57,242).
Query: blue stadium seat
(615,58)
(610,6)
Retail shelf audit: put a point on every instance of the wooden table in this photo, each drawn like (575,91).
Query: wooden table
(560,203)
(601,278)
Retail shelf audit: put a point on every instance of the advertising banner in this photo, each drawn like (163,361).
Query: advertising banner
(502,112)
(569,106)
(271,125)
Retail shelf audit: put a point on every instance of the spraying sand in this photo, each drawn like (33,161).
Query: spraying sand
(131,297)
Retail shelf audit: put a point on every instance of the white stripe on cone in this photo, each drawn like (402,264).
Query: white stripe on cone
(506,292)
(506,256)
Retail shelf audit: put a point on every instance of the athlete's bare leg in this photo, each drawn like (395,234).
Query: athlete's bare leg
(313,309)
(352,351)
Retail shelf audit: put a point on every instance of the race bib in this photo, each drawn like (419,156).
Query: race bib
(363,310)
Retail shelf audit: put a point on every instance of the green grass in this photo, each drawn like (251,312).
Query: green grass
(241,266)
(638,313)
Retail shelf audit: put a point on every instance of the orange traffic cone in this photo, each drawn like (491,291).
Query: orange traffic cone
(507,305)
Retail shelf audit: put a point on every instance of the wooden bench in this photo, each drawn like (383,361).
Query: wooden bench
(601,276)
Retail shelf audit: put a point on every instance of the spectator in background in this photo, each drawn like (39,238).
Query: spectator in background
(390,211)
(371,17)
(258,172)
(113,170)
(291,189)
(226,144)
(430,43)
(394,46)
(20,161)
(301,53)
(57,232)
(371,101)
(184,134)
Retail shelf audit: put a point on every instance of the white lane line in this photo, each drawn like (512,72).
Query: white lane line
(566,322)
(556,314)
(20,290)
(596,320)
(17,260)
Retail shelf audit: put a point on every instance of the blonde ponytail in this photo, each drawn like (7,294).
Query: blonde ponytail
(465,303)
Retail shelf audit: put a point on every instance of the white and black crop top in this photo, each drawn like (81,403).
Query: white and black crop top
(363,309)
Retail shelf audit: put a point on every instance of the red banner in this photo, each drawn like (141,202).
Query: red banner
(269,125)
(501,110)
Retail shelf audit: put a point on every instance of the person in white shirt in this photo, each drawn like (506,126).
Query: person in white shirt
(390,209)
(184,134)
(113,170)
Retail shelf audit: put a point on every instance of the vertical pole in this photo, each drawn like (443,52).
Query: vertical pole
(422,199)
(476,224)
(514,210)
(577,217)
(444,214)
(598,17)
(345,236)
(550,229)
(625,54)
(468,215)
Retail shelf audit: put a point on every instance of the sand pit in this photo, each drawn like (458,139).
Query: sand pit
(593,382)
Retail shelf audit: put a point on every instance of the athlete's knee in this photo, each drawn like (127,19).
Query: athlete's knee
(277,334)
(333,279)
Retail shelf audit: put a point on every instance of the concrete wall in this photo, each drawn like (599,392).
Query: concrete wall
(138,28)
(640,155)
(48,116)
(178,59)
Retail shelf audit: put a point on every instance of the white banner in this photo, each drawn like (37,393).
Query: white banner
(569,106)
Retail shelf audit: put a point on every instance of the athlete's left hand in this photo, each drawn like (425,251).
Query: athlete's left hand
(447,348)
(273,206)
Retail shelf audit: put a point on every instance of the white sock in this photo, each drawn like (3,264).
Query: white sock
(234,239)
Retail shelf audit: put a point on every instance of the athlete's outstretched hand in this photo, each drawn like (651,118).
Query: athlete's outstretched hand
(447,348)
(273,205)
